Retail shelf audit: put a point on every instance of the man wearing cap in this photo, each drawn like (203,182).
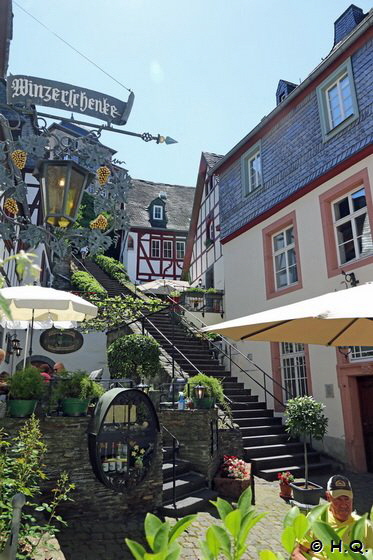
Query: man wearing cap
(340,497)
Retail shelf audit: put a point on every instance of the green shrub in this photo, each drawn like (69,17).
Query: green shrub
(135,356)
(21,470)
(76,385)
(214,387)
(27,384)
(113,268)
(85,282)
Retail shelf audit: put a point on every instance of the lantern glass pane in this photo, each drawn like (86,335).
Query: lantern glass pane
(73,195)
(55,181)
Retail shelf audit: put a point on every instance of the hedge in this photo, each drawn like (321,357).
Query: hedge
(85,282)
(112,267)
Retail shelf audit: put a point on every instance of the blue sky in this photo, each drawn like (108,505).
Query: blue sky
(204,72)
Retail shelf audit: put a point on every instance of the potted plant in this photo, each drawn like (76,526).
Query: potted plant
(285,478)
(26,387)
(233,477)
(305,418)
(75,391)
(136,356)
(213,391)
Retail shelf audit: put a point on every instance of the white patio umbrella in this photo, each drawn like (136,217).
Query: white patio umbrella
(32,304)
(343,318)
(164,286)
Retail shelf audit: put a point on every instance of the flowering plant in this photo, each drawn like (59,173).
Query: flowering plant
(136,451)
(285,477)
(233,467)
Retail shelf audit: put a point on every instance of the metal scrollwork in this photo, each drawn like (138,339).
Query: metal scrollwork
(146,136)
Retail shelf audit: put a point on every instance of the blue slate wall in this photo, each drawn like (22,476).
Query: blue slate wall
(294,154)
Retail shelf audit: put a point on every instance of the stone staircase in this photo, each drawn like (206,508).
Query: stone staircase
(266,444)
(191,491)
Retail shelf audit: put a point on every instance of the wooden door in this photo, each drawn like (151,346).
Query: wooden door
(365,385)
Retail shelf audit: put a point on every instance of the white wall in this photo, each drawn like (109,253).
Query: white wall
(245,291)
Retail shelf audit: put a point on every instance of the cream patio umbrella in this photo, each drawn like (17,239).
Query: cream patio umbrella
(163,286)
(36,304)
(343,318)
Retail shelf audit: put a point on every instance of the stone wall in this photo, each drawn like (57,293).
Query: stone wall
(66,439)
(198,445)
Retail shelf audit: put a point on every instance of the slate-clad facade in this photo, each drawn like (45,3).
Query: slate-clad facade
(293,152)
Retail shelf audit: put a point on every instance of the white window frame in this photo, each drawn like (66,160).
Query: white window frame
(167,242)
(294,373)
(251,183)
(155,250)
(157,207)
(178,251)
(284,250)
(361,353)
(351,217)
(334,80)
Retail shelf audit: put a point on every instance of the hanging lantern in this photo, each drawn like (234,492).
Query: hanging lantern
(62,185)
(19,158)
(99,223)
(103,174)
(143,387)
(11,206)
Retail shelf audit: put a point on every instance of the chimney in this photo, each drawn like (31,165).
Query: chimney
(347,22)
(283,90)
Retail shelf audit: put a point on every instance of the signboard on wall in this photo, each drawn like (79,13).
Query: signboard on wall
(29,90)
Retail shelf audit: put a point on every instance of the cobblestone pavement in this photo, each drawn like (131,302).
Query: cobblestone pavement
(97,540)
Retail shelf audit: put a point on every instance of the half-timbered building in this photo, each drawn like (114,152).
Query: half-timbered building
(159,218)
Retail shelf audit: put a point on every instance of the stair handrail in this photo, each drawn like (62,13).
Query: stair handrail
(192,327)
(175,447)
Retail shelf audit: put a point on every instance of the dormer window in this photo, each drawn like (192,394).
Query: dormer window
(157,212)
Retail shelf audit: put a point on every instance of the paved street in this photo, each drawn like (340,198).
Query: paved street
(84,540)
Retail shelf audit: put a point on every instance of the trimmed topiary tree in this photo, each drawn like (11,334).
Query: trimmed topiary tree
(305,417)
(134,356)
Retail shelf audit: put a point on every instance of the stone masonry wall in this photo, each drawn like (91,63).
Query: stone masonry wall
(67,443)
(193,429)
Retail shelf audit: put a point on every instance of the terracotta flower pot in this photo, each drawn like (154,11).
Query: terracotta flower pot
(285,490)
(231,487)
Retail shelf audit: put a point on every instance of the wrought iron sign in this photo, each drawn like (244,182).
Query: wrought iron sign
(122,438)
(49,93)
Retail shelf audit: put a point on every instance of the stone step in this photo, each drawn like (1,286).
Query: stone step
(284,461)
(268,439)
(239,391)
(196,502)
(272,449)
(230,385)
(246,414)
(242,398)
(258,421)
(296,470)
(181,467)
(185,485)
(248,406)
(263,430)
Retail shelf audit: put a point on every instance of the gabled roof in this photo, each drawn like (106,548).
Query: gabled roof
(178,204)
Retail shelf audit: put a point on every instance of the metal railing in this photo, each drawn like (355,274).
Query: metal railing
(175,448)
(194,329)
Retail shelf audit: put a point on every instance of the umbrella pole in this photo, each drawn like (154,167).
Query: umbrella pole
(32,332)
(26,344)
